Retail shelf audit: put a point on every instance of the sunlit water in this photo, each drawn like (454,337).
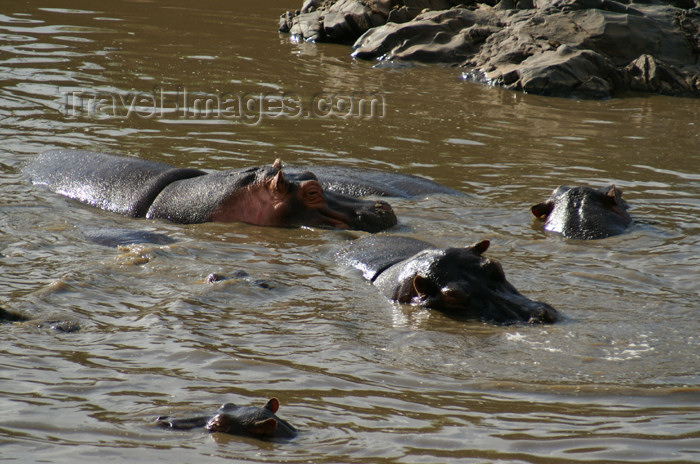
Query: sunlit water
(363,379)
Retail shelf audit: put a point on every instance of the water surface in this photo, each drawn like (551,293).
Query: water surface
(364,380)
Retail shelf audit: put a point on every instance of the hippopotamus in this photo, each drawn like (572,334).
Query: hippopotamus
(459,282)
(256,195)
(584,213)
(360,183)
(238,420)
(11,316)
(66,326)
(115,237)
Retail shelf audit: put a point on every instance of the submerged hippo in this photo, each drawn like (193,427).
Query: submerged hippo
(258,195)
(115,237)
(66,326)
(457,281)
(365,182)
(584,213)
(11,316)
(238,420)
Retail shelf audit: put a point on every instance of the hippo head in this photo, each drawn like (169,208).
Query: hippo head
(278,200)
(462,283)
(238,420)
(243,420)
(584,213)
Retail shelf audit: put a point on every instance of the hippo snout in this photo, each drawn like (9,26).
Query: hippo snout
(505,305)
(525,309)
(367,215)
(374,217)
(542,313)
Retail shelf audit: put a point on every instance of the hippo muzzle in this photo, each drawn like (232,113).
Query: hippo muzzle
(367,215)
(502,304)
(313,205)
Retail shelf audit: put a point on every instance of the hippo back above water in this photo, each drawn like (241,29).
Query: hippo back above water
(256,195)
(359,182)
(584,213)
(457,281)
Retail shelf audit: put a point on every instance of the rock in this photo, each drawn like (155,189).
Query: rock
(647,74)
(399,15)
(307,26)
(347,20)
(566,48)
(311,5)
(381,6)
(437,36)
(566,71)
(343,21)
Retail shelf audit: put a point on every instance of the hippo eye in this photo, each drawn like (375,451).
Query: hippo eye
(312,194)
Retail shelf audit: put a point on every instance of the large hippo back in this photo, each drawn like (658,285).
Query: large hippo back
(122,185)
(373,255)
(365,182)
(192,201)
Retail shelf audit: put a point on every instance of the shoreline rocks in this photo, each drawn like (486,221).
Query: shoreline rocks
(563,48)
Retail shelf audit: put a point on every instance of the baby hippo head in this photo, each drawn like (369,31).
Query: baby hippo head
(251,421)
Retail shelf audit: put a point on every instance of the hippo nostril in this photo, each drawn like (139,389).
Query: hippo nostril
(219,423)
(548,315)
(383,206)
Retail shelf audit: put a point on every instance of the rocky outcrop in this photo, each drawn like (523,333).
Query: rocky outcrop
(345,21)
(569,48)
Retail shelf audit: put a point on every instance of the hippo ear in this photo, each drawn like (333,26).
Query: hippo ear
(273,405)
(264,428)
(277,164)
(424,286)
(279,184)
(480,247)
(614,194)
(542,210)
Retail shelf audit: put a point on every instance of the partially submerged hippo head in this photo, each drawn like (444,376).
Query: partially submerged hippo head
(457,281)
(584,213)
(252,421)
(276,200)
(238,420)
(461,282)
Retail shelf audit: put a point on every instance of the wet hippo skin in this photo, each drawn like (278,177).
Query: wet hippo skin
(584,213)
(457,281)
(358,182)
(256,195)
(238,420)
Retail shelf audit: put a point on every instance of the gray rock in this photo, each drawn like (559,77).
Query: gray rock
(436,36)
(567,48)
(647,74)
(347,20)
(566,71)
(306,26)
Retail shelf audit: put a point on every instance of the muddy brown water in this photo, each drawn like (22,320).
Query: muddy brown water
(364,380)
